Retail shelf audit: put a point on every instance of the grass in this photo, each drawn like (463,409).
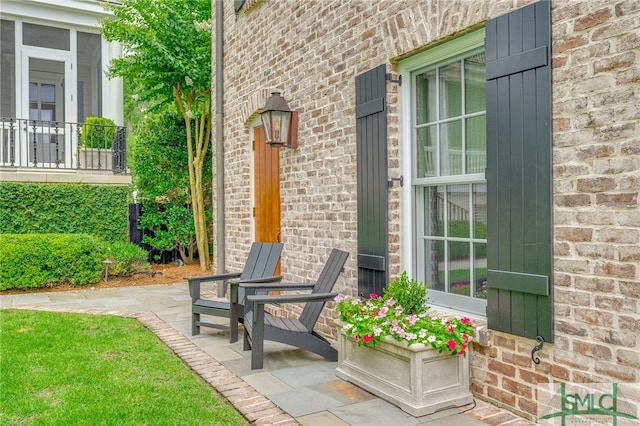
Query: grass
(78,369)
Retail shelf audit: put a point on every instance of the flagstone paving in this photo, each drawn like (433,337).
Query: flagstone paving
(296,387)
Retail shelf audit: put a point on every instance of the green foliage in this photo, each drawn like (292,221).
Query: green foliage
(98,132)
(171,227)
(158,159)
(408,293)
(167,44)
(80,369)
(401,314)
(127,258)
(160,170)
(44,208)
(167,47)
(46,260)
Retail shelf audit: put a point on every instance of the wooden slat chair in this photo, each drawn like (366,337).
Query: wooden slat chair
(260,326)
(260,267)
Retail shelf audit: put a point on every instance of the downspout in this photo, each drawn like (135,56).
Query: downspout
(219,166)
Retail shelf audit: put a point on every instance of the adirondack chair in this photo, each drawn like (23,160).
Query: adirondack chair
(260,325)
(260,267)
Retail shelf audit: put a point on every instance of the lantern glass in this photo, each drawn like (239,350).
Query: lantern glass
(276,126)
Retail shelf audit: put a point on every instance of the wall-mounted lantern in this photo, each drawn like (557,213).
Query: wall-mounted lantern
(279,122)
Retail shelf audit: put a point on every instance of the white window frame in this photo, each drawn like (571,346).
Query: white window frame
(439,54)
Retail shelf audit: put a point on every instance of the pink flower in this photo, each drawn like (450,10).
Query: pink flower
(389,302)
(451,344)
(367,338)
(465,320)
(412,319)
(373,296)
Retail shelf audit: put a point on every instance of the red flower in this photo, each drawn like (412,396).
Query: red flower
(465,320)
(367,338)
(452,344)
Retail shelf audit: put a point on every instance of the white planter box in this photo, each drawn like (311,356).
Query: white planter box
(90,158)
(417,379)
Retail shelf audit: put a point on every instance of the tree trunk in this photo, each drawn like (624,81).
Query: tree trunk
(196,161)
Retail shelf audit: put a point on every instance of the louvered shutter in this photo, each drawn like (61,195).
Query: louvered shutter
(519,187)
(371,140)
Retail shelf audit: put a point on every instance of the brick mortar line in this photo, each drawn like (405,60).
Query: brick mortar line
(178,344)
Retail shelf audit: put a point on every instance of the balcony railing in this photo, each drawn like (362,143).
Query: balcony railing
(46,145)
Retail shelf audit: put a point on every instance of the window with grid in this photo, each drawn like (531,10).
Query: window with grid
(449,189)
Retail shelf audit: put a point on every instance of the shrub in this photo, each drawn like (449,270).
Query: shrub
(408,293)
(47,260)
(127,258)
(65,208)
(98,132)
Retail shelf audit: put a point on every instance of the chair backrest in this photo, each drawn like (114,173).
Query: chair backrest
(261,263)
(324,284)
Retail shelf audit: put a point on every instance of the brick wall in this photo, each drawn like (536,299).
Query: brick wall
(312,50)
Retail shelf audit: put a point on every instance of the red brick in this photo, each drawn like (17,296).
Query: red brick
(521,360)
(518,388)
(501,396)
(617,200)
(591,20)
(502,368)
(620,270)
(504,342)
(531,377)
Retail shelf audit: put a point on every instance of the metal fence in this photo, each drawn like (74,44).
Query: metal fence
(62,145)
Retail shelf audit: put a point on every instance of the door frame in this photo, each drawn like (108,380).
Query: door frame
(22,96)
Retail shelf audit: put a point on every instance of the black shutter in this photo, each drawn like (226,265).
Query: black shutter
(371,140)
(519,187)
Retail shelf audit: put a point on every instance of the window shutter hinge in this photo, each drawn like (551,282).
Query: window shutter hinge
(389,78)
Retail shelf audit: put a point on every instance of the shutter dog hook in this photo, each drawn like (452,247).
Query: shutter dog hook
(536,348)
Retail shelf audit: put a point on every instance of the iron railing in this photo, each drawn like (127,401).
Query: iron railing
(39,144)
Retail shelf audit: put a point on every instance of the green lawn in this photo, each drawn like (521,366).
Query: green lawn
(77,369)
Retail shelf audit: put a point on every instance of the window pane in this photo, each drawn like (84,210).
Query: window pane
(480,211)
(433,264)
(427,151)
(458,211)
(476,144)
(434,211)
(451,148)
(426,98)
(450,91)
(7,69)
(474,68)
(480,270)
(43,36)
(459,268)
(48,93)
(89,76)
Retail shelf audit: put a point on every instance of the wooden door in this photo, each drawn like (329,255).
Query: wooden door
(266,213)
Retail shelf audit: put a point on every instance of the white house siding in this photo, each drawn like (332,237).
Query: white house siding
(312,50)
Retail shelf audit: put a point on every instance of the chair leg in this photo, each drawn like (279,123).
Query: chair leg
(233,323)
(195,328)
(257,337)
(247,344)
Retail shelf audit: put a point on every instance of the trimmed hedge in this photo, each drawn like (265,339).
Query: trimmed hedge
(60,208)
(46,260)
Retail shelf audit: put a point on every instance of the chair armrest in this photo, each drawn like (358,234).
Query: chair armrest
(260,280)
(216,277)
(282,286)
(194,282)
(290,298)
(265,282)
